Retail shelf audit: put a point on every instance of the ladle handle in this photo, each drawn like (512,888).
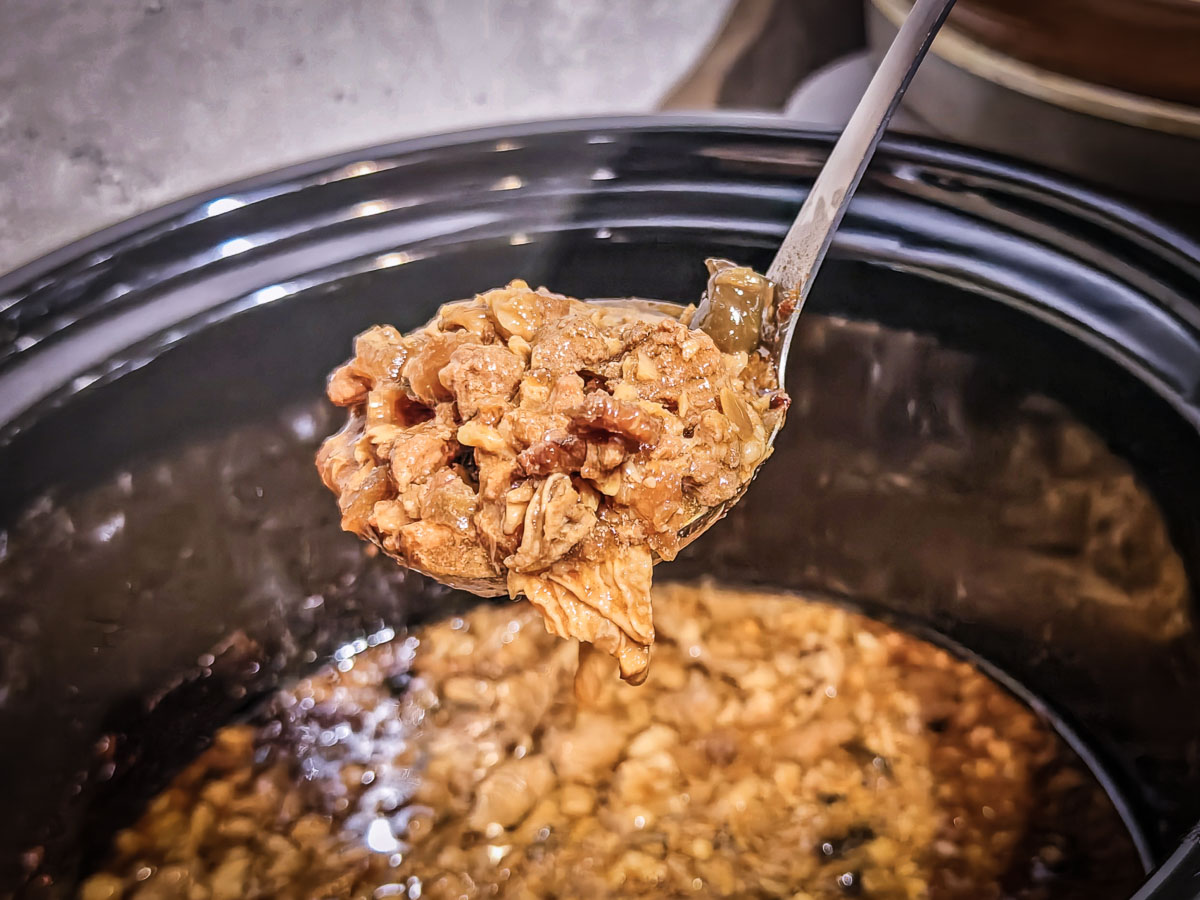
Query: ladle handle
(807,241)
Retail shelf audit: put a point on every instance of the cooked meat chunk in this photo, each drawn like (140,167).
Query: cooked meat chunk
(449,500)
(484,377)
(417,453)
(556,519)
(422,372)
(432,547)
(572,344)
(529,442)
(605,603)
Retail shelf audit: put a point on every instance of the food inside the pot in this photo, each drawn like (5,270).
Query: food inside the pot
(530,442)
(784,748)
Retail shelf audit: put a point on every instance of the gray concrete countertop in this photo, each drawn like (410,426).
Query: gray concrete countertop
(111,107)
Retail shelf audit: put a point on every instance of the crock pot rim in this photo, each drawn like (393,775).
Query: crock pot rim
(1179,876)
(1173,242)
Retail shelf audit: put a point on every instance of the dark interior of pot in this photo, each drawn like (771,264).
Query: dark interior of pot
(990,445)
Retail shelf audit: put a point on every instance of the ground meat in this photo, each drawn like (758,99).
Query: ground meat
(784,749)
(529,442)
(556,519)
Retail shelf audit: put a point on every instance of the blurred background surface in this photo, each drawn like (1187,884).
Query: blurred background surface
(112,107)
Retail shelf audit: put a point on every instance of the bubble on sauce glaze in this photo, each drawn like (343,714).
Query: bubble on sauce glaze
(497,852)
(379,837)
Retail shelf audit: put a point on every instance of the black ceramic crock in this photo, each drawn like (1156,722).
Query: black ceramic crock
(965,299)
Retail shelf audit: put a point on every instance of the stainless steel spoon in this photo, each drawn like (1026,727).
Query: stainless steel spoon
(807,241)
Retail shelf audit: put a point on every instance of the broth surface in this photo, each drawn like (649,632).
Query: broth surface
(780,748)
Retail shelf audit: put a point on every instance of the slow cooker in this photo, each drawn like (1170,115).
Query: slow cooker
(986,341)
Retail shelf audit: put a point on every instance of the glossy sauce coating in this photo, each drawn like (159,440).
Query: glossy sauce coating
(780,748)
(731,312)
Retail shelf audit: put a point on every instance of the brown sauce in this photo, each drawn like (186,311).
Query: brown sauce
(781,748)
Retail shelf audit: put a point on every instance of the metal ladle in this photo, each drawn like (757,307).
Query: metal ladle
(807,241)
(790,276)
